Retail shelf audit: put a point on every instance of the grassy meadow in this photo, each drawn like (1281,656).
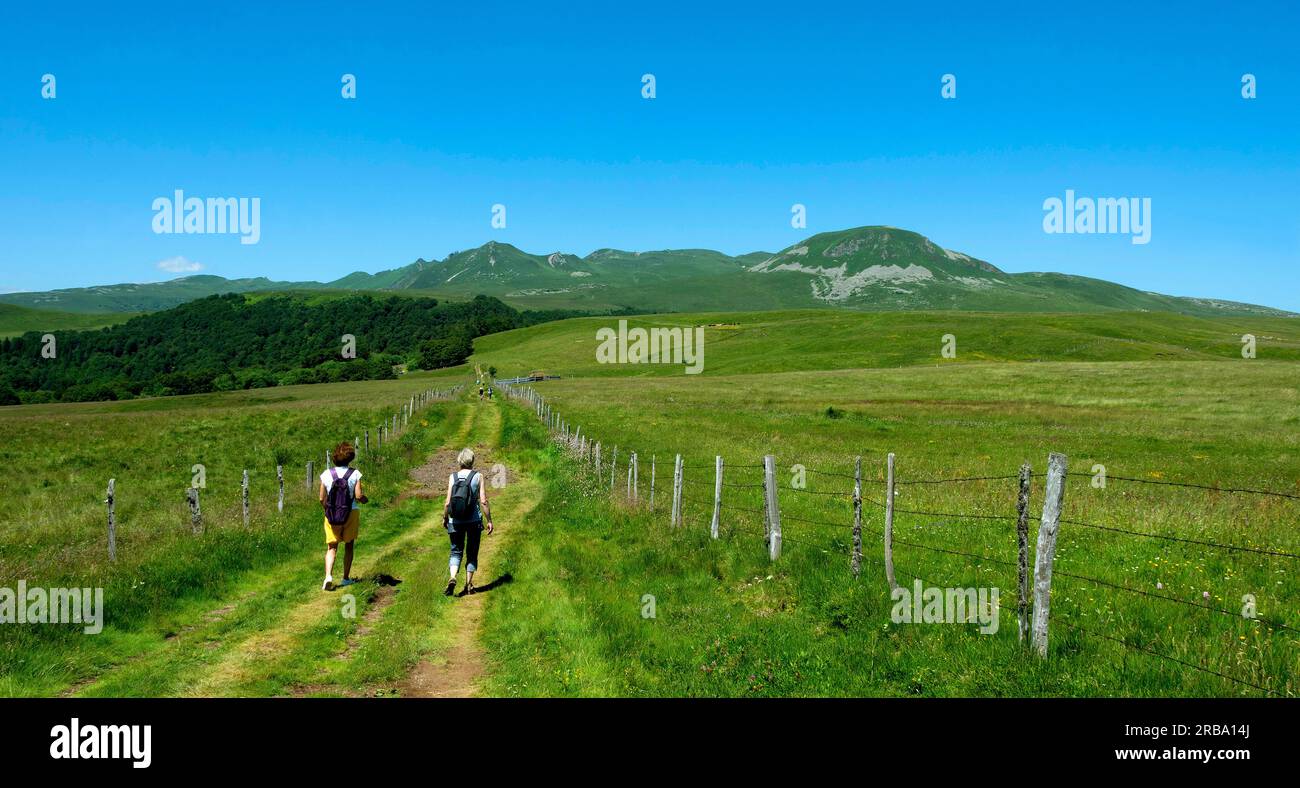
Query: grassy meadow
(16,320)
(731,623)
(818,340)
(601,597)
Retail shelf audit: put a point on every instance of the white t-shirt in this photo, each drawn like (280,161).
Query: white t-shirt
(327,479)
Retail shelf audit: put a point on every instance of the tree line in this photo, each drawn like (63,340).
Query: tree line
(234,341)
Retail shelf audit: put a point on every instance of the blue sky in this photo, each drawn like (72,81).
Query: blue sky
(758,107)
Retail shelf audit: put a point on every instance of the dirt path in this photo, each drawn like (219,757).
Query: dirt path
(456,672)
(239,667)
(256,643)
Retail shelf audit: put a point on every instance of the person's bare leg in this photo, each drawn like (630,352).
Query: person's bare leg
(330,552)
(348,551)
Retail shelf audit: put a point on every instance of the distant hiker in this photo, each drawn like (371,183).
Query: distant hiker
(463,511)
(480,391)
(489,392)
(341,496)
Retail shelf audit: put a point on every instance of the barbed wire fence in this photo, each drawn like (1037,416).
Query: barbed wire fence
(744,499)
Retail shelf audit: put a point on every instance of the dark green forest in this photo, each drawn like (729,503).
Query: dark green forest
(228,342)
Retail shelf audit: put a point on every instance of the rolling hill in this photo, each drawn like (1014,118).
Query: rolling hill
(809,340)
(149,297)
(864,268)
(16,320)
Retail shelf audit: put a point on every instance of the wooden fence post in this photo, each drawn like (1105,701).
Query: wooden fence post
(196,510)
(112,520)
(677,492)
(636,478)
(889,521)
(245,488)
(311,475)
(1053,497)
(629,476)
(1022,552)
(613,466)
(855,562)
(652,482)
(367,441)
(279,477)
(598,469)
(717,495)
(773,507)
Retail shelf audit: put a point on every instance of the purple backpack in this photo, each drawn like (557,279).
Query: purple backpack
(338,500)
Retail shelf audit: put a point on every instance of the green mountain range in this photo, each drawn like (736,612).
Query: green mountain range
(865,268)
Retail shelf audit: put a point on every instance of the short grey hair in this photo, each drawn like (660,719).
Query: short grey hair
(466,458)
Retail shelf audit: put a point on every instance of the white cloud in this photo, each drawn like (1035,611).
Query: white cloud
(179,265)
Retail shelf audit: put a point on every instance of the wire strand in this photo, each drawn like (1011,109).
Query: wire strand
(1185,540)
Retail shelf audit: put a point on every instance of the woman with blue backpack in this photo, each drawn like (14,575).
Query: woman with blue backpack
(341,496)
(463,513)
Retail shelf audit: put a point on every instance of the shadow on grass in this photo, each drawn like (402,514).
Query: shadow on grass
(497,583)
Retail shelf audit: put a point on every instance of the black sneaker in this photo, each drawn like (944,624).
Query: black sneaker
(451,587)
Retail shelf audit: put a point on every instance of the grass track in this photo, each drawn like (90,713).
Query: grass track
(280,635)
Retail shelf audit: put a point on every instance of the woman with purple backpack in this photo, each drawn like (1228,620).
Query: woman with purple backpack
(341,496)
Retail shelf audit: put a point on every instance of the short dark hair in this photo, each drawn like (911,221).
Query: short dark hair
(344,453)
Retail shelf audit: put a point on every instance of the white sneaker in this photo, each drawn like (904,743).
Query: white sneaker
(328,585)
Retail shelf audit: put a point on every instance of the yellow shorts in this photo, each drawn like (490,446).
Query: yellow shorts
(343,533)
